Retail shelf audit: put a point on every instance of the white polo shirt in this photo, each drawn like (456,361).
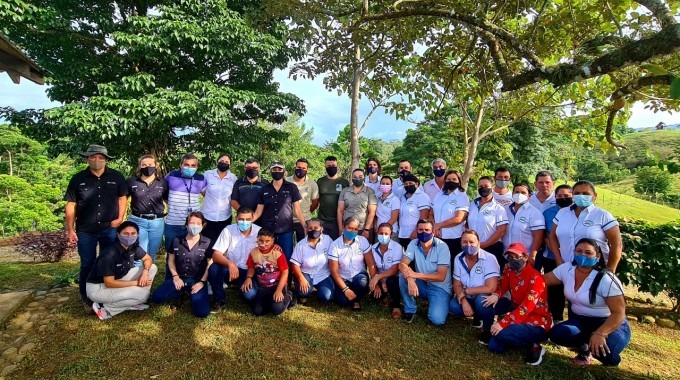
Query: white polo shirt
(385,208)
(485,221)
(591,223)
(216,203)
(432,189)
(313,261)
(409,211)
(503,199)
(522,223)
(445,206)
(610,286)
(398,188)
(485,268)
(373,185)
(235,246)
(309,191)
(350,258)
(383,262)
(549,202)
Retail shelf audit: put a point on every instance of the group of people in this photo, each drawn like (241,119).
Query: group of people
(391,240)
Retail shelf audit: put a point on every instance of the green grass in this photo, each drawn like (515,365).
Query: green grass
(627,186)
(640,145)
(625,206)
(17,275)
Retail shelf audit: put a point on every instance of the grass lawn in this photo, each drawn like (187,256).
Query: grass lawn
(313,342)
(23,275)
(626,206)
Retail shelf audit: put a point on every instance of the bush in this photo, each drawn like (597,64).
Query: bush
(46,247)
(596,170)
(651,258)
(652,180)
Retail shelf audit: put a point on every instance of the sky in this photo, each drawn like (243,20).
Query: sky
(327,113)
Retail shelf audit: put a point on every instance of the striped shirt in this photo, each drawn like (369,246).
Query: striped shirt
(183,196)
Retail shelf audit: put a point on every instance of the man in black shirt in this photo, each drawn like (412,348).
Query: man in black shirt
(95,205)
(248,189)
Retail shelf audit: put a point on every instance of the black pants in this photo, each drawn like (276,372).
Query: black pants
(212,230)
(392,283)
(404,242)
(300,231)
(264,301)
(498,251)
(556,297)
(454,246)
(330,228)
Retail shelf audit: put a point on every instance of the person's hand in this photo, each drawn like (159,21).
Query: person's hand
(407,272)
(532,260)
(278,296)
(598,345)
(412,288)
(467,309)
(71,237)
(247,284)
(350,294)
(377,292)
(233,271)
(373,283)
(437,230)
(116,222)
(365,234)
(195,288)
(383,285)
(143,280)
(303,285)
(413,235)
(179,284)
(496,328)
(490,300)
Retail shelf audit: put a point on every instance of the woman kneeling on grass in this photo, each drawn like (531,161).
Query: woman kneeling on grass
(597,324)
(309,264)
(188,265)
(347,258)
(115,284)
(387,255)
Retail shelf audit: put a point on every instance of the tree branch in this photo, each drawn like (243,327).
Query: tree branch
(659,10)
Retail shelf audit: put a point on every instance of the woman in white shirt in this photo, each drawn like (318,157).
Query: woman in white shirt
(527,224)
(597,323)
(347,258)
(388,206)
(310,265)
(387,255)
(449,211)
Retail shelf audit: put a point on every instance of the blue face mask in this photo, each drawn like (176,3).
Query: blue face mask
(349,235)
(439,172)
(424,237)
(584,261)
(188,172)
(470,250)
(583,201)
(383,239)
(127,240)
(194,229)
(244,225)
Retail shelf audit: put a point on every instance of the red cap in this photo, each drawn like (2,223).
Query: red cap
(517,248)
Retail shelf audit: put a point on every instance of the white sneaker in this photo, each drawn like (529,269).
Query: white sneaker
(139,307)
(101,311)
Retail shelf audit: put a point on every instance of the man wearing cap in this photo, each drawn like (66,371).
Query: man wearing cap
(527,319)
(96,201)
(247,190)
(280,200)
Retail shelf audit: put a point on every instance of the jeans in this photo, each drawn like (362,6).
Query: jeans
(393,290)
(436,296)
(218,275)
(150,234)
(485,313)
(520,335)
(87,250)
(576,332)
(285,241)
(264,301)
(358,284)
(171,232)
(200,302)
(325,290)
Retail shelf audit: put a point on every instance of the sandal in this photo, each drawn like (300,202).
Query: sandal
(396,313)
(356,306)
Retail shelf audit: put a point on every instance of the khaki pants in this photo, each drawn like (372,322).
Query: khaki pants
(117,300)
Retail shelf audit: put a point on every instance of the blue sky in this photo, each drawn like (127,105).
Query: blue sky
(327,113)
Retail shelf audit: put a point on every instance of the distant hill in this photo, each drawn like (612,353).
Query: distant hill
(663,143)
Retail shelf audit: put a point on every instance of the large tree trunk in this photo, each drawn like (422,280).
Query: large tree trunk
(472,137)
(356,92)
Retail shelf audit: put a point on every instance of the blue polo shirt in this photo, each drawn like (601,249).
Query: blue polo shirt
(549,215)
(439,255)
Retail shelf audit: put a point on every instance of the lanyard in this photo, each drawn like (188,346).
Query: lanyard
(191,183)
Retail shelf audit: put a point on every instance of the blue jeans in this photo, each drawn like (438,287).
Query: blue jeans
(576,332)
(219,274)
(200,302)
(437,297)
(324,289)
(150,234)
(87,250)
(520,335)
(358,284)
(485,313)
(285,241)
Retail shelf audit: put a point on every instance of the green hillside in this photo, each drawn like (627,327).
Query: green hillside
(625,206)
(639,146)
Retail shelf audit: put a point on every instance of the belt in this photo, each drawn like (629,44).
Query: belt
(148,216)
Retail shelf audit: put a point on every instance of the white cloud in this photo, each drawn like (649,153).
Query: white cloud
(643,118)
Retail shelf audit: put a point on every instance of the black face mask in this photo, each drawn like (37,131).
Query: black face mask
(484,192)
(410,189)
(252,173)
(564,202)
(222,166)
(300,173)
(450,186)
(331,171)
(148,171)
(277,176)
(404,173)
(313,234)
(372,170)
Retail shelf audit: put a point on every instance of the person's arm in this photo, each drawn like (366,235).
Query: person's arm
(122,209)
(143,279)
(490,285)
(258,211)
(195,288)
(459,293)
(528,305)
(615,247)
(298,213)
(495,237)
(283,280)
(554,245)
(248,283)
(111,282)
(394,216)
(598,340)
(370,218)
(70,221)
(297,273)
(370,264)
(458,218)
(334,268)
(408,273)
(340,211)
(551,279)
(314,205)
(536,244)
(234,204)
(179,283)
(438,276)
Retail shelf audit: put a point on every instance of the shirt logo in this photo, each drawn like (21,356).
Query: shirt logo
(453,202)
(265,194)
(486,212)
(409,203)
(478,270)
(387,204)
(588,223)
(338,187)
(522,219)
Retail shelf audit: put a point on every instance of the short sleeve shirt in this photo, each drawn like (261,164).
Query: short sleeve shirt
(190,262)
(374,185)
(147,198)
(398,188)
(503,199)
(522,223)
(610,286)
(485,268)
(309,191)
(217,202)
(248,194)
(183,196)
(96,198)
(115,261)
(277,214)
(487,219)
(592,223)
(409,212)
(392,257)
(446,206)
(384,211)
(549,215)
(313,260)
(542,206)
(268,266)
(350,257)
(329,193)
(432,189)
(357,203)
(438,256)
(235,246)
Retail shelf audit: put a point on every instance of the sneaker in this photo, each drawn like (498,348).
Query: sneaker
(556,322)
(293,300)
(409,317)
(217,308)
(535,355)
(582,359)
(485,338)
(100,311)
(477,323)
(139,307)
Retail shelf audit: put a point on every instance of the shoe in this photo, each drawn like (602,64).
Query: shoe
(396,313)
(485,338)
(87,306)
(535,355)
(217,307)
(356,306)
(139,307)
(302,301)
(409,317)
(582,359)
(293,301)
(100,311)
(477,323)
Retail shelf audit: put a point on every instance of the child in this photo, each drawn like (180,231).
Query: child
(268,265)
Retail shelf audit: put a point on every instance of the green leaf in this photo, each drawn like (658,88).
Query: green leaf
(654,69)
(675,88)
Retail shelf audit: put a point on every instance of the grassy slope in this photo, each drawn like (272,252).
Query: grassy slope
(626,206)
(661,143)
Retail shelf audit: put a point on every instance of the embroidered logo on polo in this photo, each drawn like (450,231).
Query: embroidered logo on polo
(478,270)
(387,204)
(486,212)
(453,202)
(409,203)
(588,223)
(338,187)
(522,219)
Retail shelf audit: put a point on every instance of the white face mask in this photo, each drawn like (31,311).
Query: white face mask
(519,198)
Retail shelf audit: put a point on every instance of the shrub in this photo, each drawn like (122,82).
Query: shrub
(45,247)
(652,180)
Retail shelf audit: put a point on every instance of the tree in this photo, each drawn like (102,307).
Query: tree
(26,208)
(370,147)
(155,76)
(652,180)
